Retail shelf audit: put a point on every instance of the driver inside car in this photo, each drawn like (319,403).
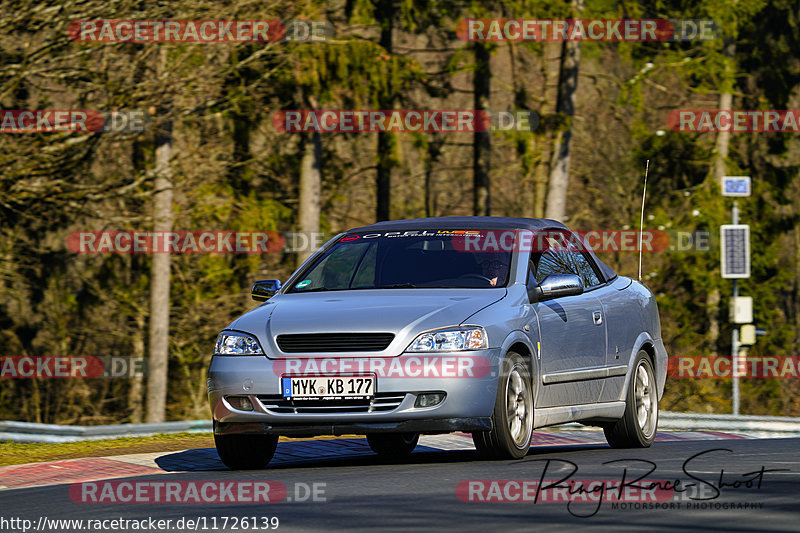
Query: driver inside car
(495,267)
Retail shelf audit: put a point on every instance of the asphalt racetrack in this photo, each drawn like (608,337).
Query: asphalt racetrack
(730,484)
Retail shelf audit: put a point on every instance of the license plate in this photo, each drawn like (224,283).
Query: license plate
(336,387)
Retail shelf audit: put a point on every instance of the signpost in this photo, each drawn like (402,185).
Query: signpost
(735,264)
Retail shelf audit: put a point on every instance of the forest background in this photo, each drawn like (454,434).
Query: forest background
(210,158)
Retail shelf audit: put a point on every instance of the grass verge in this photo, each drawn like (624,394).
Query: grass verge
(14,453)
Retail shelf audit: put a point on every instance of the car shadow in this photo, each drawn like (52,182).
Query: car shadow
(341,453)
(288,455)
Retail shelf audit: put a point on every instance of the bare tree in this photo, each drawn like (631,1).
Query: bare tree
(567,87)
(551,61)
(160,272)
(310,185)
(159,282)
(480,143)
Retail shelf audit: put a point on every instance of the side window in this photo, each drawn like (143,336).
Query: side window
(584,269)
(551,262)
(564,261)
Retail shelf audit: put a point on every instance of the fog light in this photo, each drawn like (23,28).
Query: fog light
(429,399)
(242,403)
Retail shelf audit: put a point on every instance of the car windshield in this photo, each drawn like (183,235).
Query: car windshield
(405,260)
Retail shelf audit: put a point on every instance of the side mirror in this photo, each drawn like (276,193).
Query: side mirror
(556,286)
(265,289)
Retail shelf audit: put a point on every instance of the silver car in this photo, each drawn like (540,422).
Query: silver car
(485,325)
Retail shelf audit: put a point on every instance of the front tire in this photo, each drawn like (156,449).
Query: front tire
(245,452)
(393,444)
(512,419)
(637,427)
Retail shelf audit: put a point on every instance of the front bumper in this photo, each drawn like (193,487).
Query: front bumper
(467,406)
(444,425)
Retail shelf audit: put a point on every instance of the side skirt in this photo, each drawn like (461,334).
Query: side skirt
(550,416)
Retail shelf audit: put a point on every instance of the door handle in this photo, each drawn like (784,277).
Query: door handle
(598,317)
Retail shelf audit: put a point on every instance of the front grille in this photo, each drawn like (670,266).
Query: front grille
(382,402)
(334,342)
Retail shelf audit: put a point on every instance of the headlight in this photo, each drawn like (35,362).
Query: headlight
(450,340)
(232,343)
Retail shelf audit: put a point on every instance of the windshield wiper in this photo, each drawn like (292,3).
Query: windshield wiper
(397,286)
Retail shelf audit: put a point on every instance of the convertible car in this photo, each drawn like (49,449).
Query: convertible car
(485,325)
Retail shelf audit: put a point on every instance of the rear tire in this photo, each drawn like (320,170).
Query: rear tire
(245,452)
(393,444)
(512,419)
(637,427)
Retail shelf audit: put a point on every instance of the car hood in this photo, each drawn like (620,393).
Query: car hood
(403,312)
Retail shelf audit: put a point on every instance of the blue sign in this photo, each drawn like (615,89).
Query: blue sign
(736,186)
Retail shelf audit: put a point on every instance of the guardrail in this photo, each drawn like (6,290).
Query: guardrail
(31,432)
(757,426)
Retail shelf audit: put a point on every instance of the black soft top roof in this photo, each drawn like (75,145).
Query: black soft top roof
(532,224)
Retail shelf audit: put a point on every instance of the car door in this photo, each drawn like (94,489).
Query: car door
(623,317)
(572,332)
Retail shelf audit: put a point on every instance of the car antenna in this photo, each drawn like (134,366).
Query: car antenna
(641,220)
